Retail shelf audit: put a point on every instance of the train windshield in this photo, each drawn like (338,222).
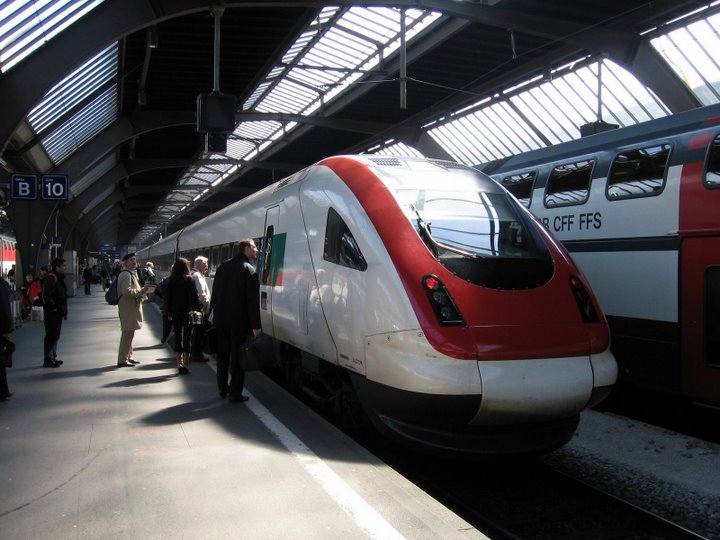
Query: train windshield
(483,237)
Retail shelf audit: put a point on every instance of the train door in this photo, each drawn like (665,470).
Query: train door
(341,274)
(269,268)
(700,319)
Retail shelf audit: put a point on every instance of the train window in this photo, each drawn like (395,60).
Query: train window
(712,175)
(215,257)
(340,245)
(569,183)
(712,316)
(521,185)
(223,254)
(638,173)
(267,255)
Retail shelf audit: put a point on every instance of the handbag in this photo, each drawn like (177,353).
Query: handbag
(258,353)
(7,348)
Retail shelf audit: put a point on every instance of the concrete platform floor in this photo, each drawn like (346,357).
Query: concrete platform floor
(90,450)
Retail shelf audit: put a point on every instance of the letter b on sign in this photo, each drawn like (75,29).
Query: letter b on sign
(23,186)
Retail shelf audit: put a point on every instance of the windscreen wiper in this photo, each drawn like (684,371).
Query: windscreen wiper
(434,245)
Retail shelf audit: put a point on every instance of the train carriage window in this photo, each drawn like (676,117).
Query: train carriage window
(340,245)
(638,173)
(712,175)
(266,256)
(569,184)
(215,257)
(223,254)
(521,185)
(712,316)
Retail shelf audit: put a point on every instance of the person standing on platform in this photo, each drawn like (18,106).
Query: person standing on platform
(149,273)
(27,295)
(129,309)
(54,296)
(199,272)
(87,276)
(180,299)
(6,326)
(235,309)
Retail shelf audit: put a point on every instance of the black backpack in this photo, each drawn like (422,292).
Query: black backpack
(112,296)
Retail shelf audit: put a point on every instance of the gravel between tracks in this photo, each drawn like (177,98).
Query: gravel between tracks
(670,474)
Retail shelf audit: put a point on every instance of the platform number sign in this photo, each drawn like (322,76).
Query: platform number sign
(55,187)
(23,186)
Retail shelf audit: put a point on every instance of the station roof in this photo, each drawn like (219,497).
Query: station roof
(106,92)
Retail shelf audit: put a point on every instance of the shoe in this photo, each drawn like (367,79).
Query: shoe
(125,364)
(49,362)
(6,396)
(133,361)
(223,394)
(183,371)
(59,362)
(163,340)
(240,399)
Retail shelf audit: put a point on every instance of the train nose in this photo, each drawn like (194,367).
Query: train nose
(533,390)
(535,372)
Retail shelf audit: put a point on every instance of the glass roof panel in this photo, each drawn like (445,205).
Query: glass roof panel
(549,112)
(691,52)
(91,92)
(26,25)
(394,148)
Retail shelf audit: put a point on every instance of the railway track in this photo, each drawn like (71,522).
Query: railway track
(529,500)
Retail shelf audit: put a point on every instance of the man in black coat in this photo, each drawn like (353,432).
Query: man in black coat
(6,326)
(55,309)
(235,308)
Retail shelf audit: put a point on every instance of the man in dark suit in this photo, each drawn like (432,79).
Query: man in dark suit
(55,308)
(6,326)
(235,308)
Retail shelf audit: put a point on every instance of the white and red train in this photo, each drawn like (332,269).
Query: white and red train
(8,255)
(639,210)
(425,291)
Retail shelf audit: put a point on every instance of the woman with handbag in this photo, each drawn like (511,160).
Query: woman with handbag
(180,299)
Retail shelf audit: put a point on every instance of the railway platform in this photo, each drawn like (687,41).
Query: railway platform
(89,450)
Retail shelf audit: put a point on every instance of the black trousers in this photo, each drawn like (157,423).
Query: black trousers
(229,341)
(182,336)
(167,326)
(4,390)
(53,325)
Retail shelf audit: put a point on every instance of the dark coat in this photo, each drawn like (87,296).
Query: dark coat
(235,298)
(54,294)
(6,321)
(181,298)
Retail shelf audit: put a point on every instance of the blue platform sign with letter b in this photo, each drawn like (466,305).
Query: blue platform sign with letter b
(55,187)
(24,186)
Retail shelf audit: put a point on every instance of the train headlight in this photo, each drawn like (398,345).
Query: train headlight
(442,303)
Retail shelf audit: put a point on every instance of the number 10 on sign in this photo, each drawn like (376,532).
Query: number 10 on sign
(55,187)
